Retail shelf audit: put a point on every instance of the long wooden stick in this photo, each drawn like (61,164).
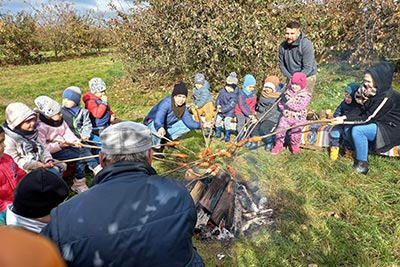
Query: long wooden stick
(180,147)
(89,146)
(75,159)
(93,142)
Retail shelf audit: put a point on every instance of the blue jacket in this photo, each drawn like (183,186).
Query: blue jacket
(202,96)
(163,116)
(130,217)
(227,101)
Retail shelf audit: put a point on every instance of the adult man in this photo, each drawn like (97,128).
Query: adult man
(131,216)
(296,54)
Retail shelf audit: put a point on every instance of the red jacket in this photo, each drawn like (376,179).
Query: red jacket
(10,175)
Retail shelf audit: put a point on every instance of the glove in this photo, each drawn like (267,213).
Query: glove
(338,120)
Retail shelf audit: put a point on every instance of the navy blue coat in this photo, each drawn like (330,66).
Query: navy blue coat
(130,217)
(227,101)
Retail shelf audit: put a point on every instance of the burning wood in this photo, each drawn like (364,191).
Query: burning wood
(226,206)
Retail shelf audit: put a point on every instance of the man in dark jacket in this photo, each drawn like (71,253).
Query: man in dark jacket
(131,216)
(296,54)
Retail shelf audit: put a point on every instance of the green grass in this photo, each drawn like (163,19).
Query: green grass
(325,214)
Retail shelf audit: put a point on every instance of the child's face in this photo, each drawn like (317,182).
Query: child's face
(296,87)
(28,125)
(250,88)
(68,103)
(100,94)
(198,85)
(56,117)
(347,98)
(267,90)
(2,146)
(229,89)
(180,100)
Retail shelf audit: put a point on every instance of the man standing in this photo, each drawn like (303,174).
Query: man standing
(131,216)
(296,54)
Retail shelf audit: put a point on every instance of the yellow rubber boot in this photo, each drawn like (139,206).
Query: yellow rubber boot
(334,153)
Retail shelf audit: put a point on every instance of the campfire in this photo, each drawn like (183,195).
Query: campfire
(227,206)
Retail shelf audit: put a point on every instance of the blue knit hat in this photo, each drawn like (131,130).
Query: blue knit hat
(352,88)
(248,80)
(199,79)
(73,93)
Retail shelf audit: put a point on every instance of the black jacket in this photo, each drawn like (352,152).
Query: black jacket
(130,217)
(382,109)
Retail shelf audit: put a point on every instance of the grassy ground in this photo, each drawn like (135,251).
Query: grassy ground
(325,214)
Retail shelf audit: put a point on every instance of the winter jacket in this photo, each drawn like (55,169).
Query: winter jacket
(51,135)
(382,109)
(130,217)
(227,101)
(10,175)
(26,152)
(100,111)
(294,104)
(264,105)
(163,116)
(79,122)
(344,108)
(297,57)
(202,96)
(246,104)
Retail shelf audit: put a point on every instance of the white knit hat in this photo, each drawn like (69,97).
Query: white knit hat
(97,85)
(47,106)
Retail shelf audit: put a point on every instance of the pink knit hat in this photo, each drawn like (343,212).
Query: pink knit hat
(299,78)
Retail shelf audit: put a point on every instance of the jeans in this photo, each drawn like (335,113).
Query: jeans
(72,152)
(176,130)
(362,134)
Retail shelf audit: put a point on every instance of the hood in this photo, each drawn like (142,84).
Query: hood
(89,96)
(382,74)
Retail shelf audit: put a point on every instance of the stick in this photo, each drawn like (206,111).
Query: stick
(89,146)
(75,159)
(93,142)
(180,147)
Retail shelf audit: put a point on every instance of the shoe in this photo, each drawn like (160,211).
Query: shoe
(295,149)
(277,148)
(268,147)
(361,166)
(251,145)
(334,152)
(79,185)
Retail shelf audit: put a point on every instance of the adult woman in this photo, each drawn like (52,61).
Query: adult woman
(378,119)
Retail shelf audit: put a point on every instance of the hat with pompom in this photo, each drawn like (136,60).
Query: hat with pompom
(232,79)
(199,79)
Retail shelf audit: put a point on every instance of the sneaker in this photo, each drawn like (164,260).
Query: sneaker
(334,153)
(79,186)
(277,148)
(295,149)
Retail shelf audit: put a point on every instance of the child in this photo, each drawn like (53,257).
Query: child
(202,100)
(77,118)
(226,102)
(10,175)
(344,131)
(293,106)
(61,141)
(96,103)
(22,140)
(245,108)
(267,103)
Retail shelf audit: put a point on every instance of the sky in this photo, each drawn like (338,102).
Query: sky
(14,6)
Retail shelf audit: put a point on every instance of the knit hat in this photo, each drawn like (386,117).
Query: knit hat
(232,78)
(47,106)
(352,88)
(180,89)
(18,112)
(125,138)
(248,80)
(38,193)
(73,93)
(21,247)
(272,82)
(299,78)
(97,85)
(199,78)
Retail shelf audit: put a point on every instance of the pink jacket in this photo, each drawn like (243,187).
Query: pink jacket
(10,175)
(50,136)
(294,104)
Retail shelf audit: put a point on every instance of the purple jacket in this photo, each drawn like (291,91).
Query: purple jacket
(227,101)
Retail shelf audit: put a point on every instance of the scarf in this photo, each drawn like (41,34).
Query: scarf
(270,94)
(178,111)
(363,94)
(49,121)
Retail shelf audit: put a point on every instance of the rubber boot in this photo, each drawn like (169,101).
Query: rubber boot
(218,131)
(252,145)
(227,137)
(269,143)
(334,153)
(277,148)
(361,166)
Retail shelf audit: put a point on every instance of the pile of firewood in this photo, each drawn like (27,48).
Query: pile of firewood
(227,205)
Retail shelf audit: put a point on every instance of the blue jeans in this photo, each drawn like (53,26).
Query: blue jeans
(362,134)
(176,130)
(72,152)
(341,131)
(3,217)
